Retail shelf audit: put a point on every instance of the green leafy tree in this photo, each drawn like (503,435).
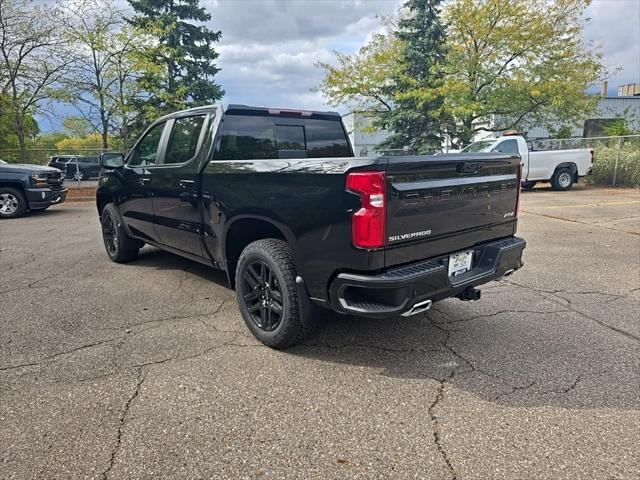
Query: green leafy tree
(178,64)
(363,80)
(417,120)
(517,62)
(33,60)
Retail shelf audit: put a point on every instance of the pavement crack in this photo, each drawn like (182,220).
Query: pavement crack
(612,328)
(435,424)
(58,354)
(500,312)
(365,346)
(514,389)
(573,385)
(554,217)
(123,419)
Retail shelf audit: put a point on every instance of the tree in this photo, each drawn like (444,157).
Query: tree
(91,26)
(125,92)
(91,141)
(33,60)
(417,120)
(363,79)
(78,126)
(178,66)
(517,62)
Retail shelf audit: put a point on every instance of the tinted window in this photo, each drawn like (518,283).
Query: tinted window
(88,160)
(508,146)
(290,137)
(326,138)
(246,138)
(183,142)
(147,149)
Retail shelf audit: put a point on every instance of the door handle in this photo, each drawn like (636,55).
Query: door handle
(186,183)
(144,180)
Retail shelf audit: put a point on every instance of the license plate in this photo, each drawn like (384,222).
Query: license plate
(460,263)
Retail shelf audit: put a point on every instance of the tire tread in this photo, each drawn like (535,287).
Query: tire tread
(293,330)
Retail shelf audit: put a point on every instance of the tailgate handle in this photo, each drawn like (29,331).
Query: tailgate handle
(468,167)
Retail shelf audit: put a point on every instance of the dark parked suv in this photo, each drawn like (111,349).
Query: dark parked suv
(277,200)
(77,167)
(29,188)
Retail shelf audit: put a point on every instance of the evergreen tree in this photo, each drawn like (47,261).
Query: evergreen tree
(178,60)
(416,120)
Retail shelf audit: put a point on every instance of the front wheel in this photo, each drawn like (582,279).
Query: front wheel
(79,175)
(562,179)
(12,203)
(266,293)
(119,246)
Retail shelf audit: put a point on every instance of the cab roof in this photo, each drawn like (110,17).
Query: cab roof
(239,109)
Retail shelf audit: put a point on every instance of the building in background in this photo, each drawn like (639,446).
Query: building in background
(364,137)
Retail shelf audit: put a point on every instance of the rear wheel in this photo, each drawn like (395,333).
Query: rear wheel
(119,246)
(562,179)
(12,203)
(266,293)
(529,184)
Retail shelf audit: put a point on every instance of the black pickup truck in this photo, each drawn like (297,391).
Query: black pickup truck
(29,187)
(277,200)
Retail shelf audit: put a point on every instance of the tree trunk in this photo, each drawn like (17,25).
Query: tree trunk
(105,134)
(20,133)
(466,133)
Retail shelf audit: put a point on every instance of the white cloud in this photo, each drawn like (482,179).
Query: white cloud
(269,47)
(614,25)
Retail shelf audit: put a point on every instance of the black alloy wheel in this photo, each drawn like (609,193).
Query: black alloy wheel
(110,235)
(262,296)
(118,245)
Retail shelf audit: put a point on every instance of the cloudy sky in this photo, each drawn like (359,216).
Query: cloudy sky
(269,47)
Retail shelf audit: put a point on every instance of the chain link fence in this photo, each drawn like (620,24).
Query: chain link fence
(617,159)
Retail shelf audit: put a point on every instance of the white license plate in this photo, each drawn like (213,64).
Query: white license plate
(460,263)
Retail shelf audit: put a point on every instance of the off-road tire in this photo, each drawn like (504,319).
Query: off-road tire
(276,255)
(118,245)
(563,179)
(18,205)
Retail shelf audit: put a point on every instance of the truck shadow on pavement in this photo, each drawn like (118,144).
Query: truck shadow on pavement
(510,347)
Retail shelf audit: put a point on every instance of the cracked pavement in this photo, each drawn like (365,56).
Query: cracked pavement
(146,370)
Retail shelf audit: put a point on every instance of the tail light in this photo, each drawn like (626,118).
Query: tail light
(593,156)
(518,189)
(368,223)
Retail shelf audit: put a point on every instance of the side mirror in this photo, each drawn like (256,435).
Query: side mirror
(111,160)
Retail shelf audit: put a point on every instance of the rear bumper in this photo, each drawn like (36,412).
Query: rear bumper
(398,290)
(44,197)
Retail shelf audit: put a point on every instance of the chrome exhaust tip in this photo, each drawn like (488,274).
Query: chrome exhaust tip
(418,308)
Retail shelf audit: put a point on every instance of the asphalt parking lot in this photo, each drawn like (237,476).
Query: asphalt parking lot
(146,370)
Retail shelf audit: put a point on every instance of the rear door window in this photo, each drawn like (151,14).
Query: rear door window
(184,139)
(247,138)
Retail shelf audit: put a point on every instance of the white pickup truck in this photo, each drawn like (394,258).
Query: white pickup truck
(560,167)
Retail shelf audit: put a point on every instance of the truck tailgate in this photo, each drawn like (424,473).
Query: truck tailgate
(443,203)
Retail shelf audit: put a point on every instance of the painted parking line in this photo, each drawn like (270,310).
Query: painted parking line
(601,204)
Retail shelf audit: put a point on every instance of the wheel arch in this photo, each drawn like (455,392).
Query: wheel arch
(245,229)
(570,165)
(103,197)
(17,184)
